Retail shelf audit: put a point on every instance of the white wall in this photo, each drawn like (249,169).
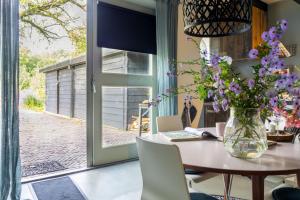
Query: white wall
(186,51)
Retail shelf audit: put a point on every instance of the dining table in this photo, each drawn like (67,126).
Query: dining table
(211,156)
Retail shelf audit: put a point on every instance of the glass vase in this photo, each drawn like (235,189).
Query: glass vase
(245,134)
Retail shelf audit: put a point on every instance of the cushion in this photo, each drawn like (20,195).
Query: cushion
(191,171)
(201,196)
(286,193)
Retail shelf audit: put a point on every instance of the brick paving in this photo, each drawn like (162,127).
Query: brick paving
(45,138)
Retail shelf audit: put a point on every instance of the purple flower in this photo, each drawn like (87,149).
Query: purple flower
(274,101)
(216,106)
(280,84)
(278,65)
(293,77)
(265,61)
(281,64)
(204,53)
(275,62)
(273,33)
(210,93)
(221,92)
(274,58)
(273,43)
(275,51)
(289,85)
(262,71)
(215,98)
(296,103)
(251,83)
(216,77)
(225,104)
(283,25)
(253,53)
(284,77)
(215,60)
(234,87)
(265,36)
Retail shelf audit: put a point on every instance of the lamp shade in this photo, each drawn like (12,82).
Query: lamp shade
(216,18)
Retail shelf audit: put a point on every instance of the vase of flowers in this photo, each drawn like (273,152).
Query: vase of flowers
(245,135)
(249,98)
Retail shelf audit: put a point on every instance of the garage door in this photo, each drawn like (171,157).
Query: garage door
(51,92)
(65,88)
(80,92)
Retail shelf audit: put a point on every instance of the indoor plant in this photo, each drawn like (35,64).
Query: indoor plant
(264,91)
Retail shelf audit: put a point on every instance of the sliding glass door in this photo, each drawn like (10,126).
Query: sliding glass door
(121,83)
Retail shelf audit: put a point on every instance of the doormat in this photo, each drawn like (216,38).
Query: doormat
(61,188)
(41,168)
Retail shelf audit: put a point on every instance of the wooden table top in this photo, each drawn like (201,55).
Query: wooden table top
(211,156)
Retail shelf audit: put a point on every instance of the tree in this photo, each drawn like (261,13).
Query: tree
(29,66)
(53,19)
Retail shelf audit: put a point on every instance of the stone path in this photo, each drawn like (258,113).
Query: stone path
(50,138)
(46,138)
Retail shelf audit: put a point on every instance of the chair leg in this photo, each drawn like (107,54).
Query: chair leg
(227,178)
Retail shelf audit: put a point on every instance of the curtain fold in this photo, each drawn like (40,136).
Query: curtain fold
(166,34)
(10,173)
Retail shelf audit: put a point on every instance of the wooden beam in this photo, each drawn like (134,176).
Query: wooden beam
(259,4)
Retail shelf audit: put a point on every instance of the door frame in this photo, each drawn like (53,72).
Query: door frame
(94,91)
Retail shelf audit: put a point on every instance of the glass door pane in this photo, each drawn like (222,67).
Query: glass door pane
(120,114)
(121,82)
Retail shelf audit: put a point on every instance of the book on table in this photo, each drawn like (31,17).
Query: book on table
(188,134)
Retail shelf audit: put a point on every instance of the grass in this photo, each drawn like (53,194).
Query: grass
(33,103)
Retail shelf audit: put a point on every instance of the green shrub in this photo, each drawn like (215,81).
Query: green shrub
(33,103)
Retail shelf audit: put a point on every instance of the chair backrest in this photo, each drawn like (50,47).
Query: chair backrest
(162,171)
(169,123)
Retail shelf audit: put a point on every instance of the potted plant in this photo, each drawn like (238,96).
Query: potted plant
(247,98)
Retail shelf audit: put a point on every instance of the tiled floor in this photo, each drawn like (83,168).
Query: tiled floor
(118,182)
(124,182)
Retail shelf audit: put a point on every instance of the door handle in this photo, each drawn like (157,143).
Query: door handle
(93,86)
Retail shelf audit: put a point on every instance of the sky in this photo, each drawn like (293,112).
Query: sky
(40,46)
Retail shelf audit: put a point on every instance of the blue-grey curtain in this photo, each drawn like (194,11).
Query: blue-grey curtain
(166,34)
(10,173)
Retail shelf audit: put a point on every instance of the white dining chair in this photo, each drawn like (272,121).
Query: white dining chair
(174,123)
(283,179)
(169,123)
(163,173)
